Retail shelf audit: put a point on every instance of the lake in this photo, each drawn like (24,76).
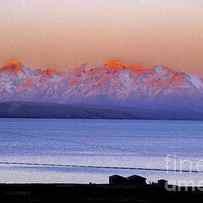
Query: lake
(82,151)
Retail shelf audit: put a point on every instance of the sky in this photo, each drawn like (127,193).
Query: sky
(63,33)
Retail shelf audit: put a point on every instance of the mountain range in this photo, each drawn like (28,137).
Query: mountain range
(112,90)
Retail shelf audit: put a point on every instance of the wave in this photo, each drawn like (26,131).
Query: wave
(99,167)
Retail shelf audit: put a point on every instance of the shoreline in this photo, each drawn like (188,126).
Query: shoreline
(97,193)
(98,167)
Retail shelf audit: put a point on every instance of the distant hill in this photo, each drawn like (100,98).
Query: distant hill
(44,110)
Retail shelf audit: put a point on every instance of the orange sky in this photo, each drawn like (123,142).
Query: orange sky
(67,32)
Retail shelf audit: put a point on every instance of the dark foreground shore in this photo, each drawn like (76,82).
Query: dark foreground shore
(38,193)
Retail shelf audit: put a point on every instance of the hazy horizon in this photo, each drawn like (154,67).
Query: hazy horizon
(52,34)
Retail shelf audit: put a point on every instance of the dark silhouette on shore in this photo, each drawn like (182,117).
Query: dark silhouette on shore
(133,189)
(131,180)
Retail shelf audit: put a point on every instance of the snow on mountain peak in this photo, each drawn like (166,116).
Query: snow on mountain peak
(12,66)
(115,65)
(161,69)
(196,81)
(118,65)
(115,81)
(138,68)
(50,72)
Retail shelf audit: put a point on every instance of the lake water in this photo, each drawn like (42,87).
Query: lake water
(82,151)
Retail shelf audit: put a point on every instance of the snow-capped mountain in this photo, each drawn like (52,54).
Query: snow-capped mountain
(112,85)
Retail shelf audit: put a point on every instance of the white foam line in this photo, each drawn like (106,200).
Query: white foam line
(98,167)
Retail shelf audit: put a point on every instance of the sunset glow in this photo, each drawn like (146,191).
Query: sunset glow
(149,32)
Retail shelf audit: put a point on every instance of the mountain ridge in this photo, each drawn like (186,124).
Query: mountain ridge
(113,85)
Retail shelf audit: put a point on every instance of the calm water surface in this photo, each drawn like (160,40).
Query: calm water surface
(120,143)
